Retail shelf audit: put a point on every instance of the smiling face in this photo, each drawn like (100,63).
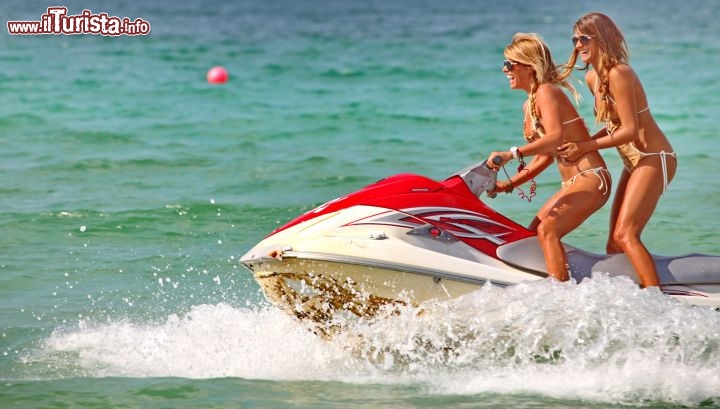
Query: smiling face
(528,62)
(518,75)
(586,47)
(597,41)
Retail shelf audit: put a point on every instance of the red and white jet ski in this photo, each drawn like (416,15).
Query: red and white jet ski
(409,239)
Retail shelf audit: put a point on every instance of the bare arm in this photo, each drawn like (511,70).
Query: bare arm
(622,87)
(538,164)
(547,104)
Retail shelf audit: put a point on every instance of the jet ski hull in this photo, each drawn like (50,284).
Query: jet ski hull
(407,240)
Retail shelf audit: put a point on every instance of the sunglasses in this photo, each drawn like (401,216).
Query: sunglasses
(584,39)
(509,65)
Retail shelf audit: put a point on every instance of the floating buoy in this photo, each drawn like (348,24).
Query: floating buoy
(217,75)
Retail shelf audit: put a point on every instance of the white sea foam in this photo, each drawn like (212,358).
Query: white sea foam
(209,341)
(603,339)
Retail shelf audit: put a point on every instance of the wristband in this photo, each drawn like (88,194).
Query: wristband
(514,151)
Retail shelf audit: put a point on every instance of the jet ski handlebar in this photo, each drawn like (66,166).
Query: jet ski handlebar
(479,177)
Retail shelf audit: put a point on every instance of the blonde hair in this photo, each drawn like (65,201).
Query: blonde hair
(612,50)
(529,49)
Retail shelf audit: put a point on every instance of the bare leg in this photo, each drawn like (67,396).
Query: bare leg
(640,198)
(553,251)
(612,247)
(563,213)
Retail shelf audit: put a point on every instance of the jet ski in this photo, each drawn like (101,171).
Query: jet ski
(408,239)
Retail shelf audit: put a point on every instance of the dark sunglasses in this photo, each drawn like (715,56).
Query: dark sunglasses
(508,65)
(584,39)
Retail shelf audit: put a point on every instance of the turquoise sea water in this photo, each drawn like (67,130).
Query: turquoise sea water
(130,187)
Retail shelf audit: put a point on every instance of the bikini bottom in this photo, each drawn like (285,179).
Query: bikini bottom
(601,173)
(631,156)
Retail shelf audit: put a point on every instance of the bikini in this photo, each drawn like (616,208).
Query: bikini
(631,155)
(600,172)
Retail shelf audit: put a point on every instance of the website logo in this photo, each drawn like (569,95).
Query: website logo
(57,21)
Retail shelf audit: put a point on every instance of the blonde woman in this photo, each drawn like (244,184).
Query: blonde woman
(621,104)
(549,120)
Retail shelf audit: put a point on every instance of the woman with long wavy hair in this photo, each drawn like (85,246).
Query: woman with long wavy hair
(622,106)
(550,119)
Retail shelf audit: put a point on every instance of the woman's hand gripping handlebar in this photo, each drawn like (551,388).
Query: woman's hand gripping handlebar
(496,160)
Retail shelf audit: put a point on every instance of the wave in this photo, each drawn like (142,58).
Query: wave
(602,340)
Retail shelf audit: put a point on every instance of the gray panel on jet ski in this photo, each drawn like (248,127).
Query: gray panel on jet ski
(686,269)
